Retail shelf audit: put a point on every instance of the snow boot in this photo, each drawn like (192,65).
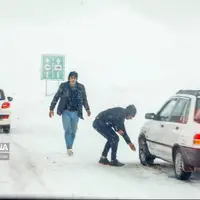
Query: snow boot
(116,163)
(104,161)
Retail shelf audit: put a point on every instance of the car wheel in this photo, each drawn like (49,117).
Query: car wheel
(178,167)
(6,129)
(144,155)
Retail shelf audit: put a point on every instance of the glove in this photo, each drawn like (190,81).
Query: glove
(51,113)
(132,147)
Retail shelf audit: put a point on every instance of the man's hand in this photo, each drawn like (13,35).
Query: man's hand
(132,146)
(121,132)
(51,113)
(88,113)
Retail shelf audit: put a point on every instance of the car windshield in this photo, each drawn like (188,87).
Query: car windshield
(197,111)
(2,96)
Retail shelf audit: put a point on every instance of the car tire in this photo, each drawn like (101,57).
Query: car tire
(145,157)
(6,129)
(178,167)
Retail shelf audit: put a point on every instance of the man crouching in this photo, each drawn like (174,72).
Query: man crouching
(107,123)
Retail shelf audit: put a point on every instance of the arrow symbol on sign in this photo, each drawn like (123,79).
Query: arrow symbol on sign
(47,60)
(58,61)
(47,67)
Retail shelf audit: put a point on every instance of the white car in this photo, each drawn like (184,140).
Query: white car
(5,112)
(173,134)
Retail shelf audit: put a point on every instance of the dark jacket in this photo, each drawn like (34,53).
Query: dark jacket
(115,117)
(69,97)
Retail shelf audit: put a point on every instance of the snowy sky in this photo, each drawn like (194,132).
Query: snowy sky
(138,47)
(127,51)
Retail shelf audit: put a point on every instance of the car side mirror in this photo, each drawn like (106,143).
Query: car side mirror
(9,98)
(150,116)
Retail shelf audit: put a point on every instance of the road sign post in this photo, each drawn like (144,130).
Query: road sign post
(53,68)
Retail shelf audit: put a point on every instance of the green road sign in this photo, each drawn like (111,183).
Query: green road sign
(53,67)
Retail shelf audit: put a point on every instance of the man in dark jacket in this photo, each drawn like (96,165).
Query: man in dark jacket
(107,123)
(72,97)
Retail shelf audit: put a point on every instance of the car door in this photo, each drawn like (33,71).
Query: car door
(174,127)
(157,127)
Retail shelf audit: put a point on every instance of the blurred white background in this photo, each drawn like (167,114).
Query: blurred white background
(125,51)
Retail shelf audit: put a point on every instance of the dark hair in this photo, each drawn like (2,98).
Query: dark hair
(131,110)
(75,74)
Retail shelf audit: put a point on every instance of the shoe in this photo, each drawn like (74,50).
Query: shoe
(70,152)
(116,163)
(104,161)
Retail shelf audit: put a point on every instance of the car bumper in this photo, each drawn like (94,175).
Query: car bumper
(191,156)
(4,122)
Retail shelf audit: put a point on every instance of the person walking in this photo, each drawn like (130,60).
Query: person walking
(73,97)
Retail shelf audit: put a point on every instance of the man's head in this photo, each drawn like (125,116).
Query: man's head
(72,78)
(130,111)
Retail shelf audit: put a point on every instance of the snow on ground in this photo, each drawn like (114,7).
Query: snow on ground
(125,52)
(39,165)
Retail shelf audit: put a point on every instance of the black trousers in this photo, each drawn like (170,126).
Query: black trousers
(112,138)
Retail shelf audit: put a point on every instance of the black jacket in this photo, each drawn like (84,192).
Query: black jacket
(115,117)
(66,99)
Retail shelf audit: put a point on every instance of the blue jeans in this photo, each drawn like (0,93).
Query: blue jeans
(112,138)
(70,122)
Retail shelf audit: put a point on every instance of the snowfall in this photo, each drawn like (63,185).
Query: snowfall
(125,52)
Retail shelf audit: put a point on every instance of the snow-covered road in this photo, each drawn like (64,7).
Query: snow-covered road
(39,164)
(125,52)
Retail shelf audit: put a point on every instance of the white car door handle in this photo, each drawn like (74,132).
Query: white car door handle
(176,129)
(162,125)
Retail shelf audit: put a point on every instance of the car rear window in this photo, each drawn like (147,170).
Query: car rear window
(197,111)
